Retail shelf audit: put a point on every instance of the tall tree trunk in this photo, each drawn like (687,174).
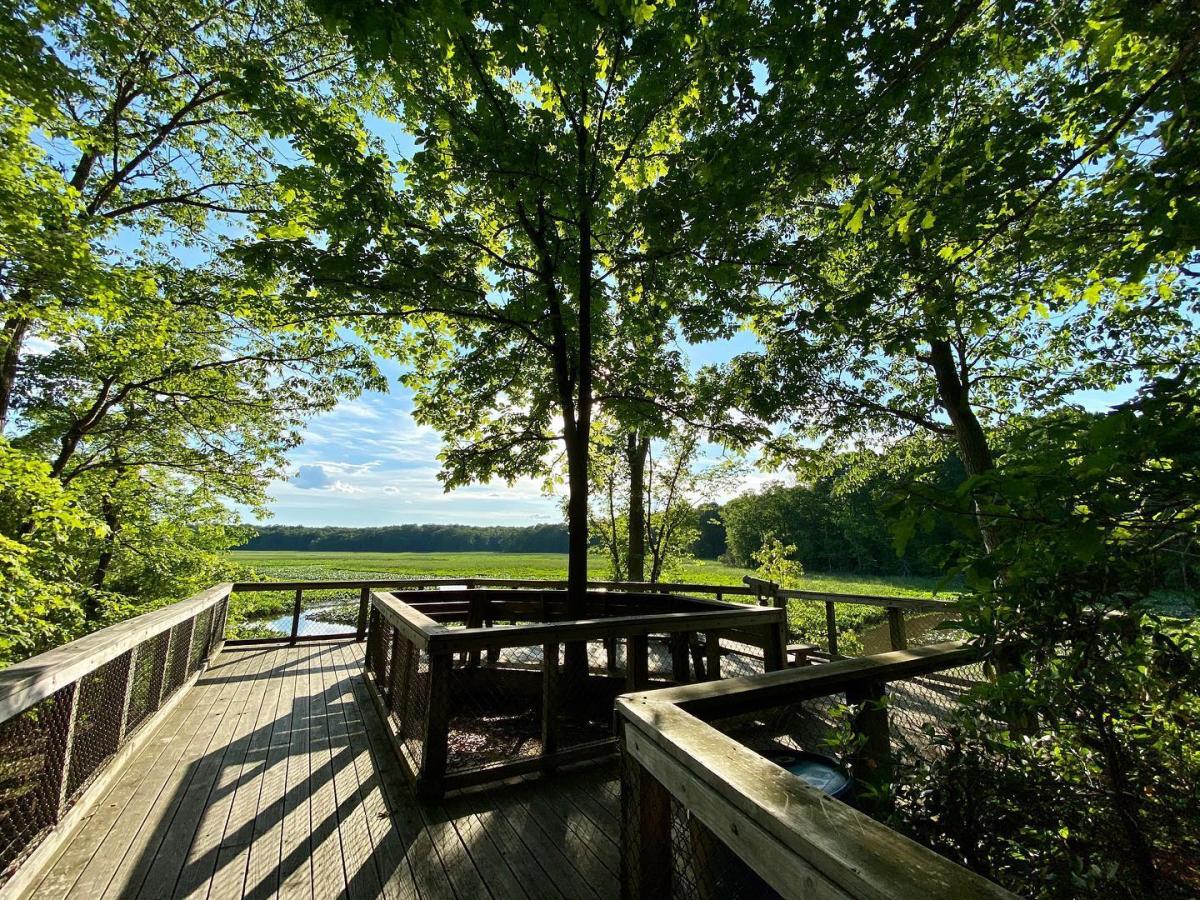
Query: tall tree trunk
(973,448)
(107,551)
(15,330)
(636,450)
(575,662)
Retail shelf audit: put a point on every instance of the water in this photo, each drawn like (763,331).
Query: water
(878,639)
(310,622)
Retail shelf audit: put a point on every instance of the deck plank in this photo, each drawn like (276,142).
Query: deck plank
(295,877)
(147,851)
(275,776)
(84,865)
(218,782)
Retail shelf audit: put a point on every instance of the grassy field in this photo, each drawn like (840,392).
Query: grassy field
(806,620)
(272,565)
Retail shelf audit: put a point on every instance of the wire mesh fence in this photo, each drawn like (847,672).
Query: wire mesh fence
(56,741)
(689,861)
(846,729)
(495,691)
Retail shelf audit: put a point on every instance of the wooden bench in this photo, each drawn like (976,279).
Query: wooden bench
(801,654)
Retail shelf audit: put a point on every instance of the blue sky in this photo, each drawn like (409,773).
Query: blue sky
(367,462)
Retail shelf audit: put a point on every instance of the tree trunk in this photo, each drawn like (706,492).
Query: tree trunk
(636,451)
(107,551)
(15,330)
(973,447)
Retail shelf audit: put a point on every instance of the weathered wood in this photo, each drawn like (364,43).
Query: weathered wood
(871,759)
(78,857)
(637,661)
(645,836)
(433,760)
(130,671)
(774,642)
(364,605)
(457,639)
(679,657)
(896,633)
(26,683)
(712,650)
(693,640)
(730,696)
(908,603)
(551,712)
(831,630)
(494,772)
(800,653)
(296,609)
(350,824)
(800,841)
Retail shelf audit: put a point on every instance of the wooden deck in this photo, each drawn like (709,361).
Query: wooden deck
(274,777)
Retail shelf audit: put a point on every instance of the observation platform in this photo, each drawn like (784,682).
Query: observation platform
(273,776)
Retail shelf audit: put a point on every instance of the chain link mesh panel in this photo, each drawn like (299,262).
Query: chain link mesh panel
(97,729)
(495,708)
(33,750)
(148,672)
(53,751)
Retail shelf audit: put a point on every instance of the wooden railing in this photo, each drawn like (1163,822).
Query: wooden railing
(434,684)
(70,715)
(766,593)
(729,807)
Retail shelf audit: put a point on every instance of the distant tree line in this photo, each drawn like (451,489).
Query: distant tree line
(413,539)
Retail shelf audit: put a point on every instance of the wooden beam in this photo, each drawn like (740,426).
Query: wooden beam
(364,605)
(550,703)
(896,632)
(714,699)
(637,661)
(450,640)
(799,840)
(645,836)
(431,780)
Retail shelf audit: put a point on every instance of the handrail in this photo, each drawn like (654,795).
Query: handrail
(767,593)
(797,839)
(70,715)
(26,683)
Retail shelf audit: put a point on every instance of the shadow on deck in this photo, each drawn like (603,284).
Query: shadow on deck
(274,776)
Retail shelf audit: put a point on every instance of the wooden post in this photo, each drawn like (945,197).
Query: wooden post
(431,779)
(697,656)
(871,762)
(158,674)
(896,628)
(679,657)
(637,661)
(610,652)
(58,756)
(296,615)
(123,725)
(645,835)
(364,605)
(712,650)
(831,627)
(476,609)
(550,702)
(774,647)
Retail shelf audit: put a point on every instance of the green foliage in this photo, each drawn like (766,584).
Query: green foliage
(1101,764)
(775,562)
(144,383)
(838,516)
